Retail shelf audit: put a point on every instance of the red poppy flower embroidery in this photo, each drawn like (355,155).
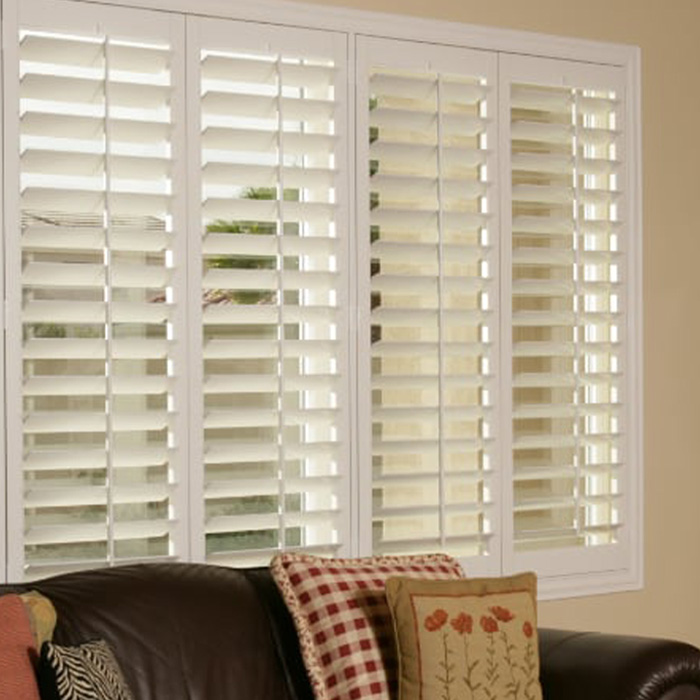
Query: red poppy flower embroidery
(436,620)
(527,629)
(501,614)
(462,623)
(488,624)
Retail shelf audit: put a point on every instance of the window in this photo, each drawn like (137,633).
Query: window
(286,285)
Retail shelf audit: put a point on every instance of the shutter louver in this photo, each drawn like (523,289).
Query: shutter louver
(98,254)
(273,294)
(567,315)
(433,297)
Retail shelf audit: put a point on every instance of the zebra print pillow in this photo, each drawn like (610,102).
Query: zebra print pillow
(85,672)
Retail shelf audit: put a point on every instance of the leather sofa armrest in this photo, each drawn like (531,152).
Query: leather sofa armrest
(594,666)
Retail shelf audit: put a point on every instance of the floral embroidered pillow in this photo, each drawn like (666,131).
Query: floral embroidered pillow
(474,639)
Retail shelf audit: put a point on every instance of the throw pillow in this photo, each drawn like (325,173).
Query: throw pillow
(85,672)
(42,616)
(342,620)
(471,638)
(17,651)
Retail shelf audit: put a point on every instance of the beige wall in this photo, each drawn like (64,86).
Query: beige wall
(668,32)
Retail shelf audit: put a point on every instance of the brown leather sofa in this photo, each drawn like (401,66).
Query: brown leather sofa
(198,632)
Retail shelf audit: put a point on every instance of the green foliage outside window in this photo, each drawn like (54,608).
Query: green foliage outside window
(248,262)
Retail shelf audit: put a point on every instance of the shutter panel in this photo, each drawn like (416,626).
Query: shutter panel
(567,261)
(429,115)
(95,317)
(274,300)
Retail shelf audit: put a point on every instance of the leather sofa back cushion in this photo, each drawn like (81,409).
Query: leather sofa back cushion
(178,631)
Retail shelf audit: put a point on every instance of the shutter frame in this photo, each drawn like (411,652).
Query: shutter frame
(603,567)
(72,25)
(224,126)
(388,59)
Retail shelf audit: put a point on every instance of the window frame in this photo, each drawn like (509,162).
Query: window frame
(356,23)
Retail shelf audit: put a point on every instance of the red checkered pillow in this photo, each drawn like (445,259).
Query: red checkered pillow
(343,620)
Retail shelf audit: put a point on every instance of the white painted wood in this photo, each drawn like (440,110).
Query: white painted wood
(363,397)
(91,32)
(394,26)
(11,509)
(571,571)
(263,125)
(181,330)
(434,74)
(349,32)
(195,362)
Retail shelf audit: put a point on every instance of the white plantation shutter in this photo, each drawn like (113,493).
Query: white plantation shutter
(273,306)
(428,117)
(94,372)
(568,226)
(220,343)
